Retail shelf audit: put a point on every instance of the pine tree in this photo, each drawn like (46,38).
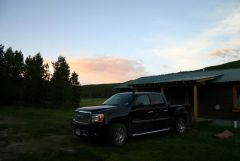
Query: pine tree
(34,79)
(74,79)
(1,74)
(75,94)
(60,83)
(12,74)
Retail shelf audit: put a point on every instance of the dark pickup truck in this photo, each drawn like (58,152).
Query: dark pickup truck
(130,114)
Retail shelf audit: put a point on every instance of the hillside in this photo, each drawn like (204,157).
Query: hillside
(98,90)
(229,65)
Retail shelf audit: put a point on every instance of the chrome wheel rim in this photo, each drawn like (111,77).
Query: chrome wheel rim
(120,135)
(181,126)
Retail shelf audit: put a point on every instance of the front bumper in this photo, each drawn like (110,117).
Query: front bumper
(80,129)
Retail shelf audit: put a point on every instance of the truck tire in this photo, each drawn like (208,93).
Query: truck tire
(180,125)
(117,134)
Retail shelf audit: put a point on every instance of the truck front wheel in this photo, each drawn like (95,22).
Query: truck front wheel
(180,125)
(117,134)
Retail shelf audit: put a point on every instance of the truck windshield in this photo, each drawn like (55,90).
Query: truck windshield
(119,100)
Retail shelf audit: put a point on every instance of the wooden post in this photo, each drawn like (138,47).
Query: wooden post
(195,105)
(235,107)
(162,90)
(187,96)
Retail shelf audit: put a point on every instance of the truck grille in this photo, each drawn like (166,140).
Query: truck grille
(82,117)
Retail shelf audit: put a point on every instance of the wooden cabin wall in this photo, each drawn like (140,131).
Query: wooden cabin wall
(211,96)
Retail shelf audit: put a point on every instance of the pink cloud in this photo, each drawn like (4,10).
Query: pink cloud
(226,53)
(219,52)
(106,69)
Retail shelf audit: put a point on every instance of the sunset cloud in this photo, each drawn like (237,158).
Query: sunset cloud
(214,45)
(226,53)
(219,52)
(106,69)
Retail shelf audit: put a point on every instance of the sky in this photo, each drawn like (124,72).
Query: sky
(110,41)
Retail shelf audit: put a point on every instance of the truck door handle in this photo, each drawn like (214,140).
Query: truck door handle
(149,112)
(165,110)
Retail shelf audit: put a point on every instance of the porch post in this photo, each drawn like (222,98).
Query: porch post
(195,105)
(162,90)
(187,96)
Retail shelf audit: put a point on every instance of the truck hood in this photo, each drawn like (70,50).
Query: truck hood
(97,109)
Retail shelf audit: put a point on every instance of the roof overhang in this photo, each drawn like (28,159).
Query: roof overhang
(177,82)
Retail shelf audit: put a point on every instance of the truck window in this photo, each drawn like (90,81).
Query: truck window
(157,100)
(119,100)
(142,100)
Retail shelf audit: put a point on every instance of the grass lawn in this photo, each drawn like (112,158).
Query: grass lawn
(43,134)
(92,102)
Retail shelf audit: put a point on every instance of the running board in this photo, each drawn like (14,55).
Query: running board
(150,132)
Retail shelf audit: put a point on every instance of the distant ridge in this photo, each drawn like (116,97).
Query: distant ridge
(229,65)
(98,90)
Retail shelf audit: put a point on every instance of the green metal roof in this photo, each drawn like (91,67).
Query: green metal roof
(228,75)
(123,85)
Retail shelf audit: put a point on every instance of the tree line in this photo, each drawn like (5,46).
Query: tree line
(30,82)
(98,90)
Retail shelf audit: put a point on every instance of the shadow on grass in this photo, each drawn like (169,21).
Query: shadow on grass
(105,143)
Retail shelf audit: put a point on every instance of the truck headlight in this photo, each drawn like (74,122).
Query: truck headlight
(97,117)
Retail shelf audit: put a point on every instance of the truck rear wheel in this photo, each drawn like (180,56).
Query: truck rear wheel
(180,125)
(117,134)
